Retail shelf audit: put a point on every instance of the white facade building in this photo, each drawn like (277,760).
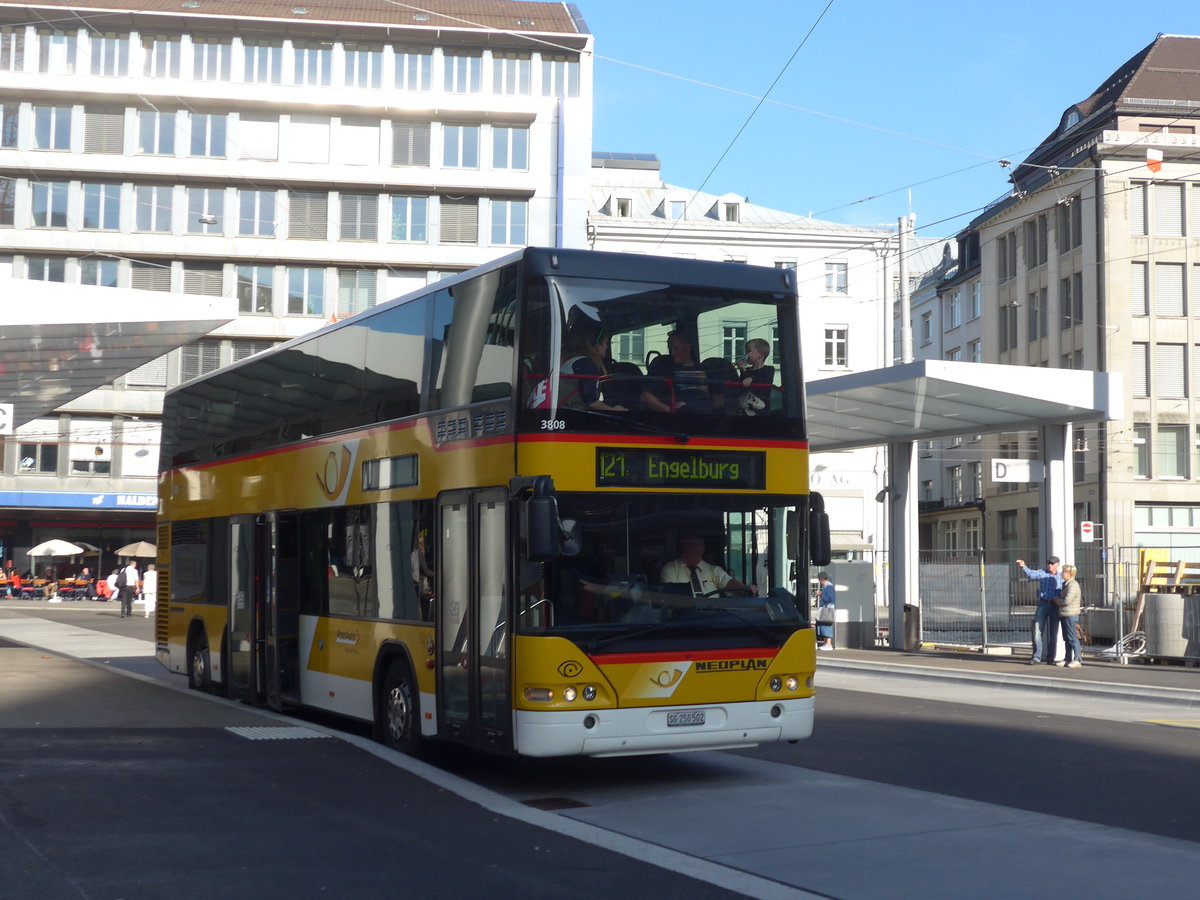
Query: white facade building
(310,161)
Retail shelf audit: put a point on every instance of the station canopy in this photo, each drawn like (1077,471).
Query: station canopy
(59,341)
(930,399)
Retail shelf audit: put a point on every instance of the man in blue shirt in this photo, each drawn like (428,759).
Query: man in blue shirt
(1045,620)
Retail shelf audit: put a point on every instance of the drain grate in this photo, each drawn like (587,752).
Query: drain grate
(274,733)
(550,804)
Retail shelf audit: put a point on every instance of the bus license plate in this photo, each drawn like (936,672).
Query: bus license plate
(685,717)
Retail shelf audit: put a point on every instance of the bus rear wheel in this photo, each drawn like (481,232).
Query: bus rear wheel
(399,710)
(199,665)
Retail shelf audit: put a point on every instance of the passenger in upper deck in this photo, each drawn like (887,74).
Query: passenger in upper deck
(583,367)
(756,378)
(677,382)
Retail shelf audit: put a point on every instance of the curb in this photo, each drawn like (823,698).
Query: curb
(1181,696)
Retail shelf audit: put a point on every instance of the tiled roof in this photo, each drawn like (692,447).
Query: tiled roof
(505,15)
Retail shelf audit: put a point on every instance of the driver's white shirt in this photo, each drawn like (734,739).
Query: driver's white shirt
(712,577)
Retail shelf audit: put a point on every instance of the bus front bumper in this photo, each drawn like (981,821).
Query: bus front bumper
(641,730)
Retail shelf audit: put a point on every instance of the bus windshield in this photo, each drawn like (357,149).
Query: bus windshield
(600,354)
(711,571)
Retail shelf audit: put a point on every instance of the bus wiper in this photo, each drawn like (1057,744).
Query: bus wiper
(681,436)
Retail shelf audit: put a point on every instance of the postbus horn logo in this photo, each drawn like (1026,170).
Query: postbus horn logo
(336,477)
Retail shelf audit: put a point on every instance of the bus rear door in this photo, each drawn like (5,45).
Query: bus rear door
(474,626)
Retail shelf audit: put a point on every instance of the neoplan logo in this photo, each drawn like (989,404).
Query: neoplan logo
(731,665)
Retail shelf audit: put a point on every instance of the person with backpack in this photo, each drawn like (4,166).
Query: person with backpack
(127,584)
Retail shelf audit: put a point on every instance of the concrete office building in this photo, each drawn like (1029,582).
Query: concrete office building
(1092,262)
(308,160)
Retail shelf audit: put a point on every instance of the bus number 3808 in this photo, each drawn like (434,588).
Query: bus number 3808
(553,425)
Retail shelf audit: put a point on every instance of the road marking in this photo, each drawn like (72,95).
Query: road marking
(1175,723)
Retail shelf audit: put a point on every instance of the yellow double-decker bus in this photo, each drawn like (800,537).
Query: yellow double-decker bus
(555,505)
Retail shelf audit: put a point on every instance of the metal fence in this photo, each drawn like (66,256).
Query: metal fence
(981,598)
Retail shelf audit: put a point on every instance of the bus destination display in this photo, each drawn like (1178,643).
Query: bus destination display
(646,468)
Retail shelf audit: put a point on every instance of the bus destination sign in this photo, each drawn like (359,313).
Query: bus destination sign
(646,468)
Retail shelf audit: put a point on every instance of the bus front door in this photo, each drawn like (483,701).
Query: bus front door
(473,621)
(245,609)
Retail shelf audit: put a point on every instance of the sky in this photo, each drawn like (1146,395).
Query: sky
(868,102)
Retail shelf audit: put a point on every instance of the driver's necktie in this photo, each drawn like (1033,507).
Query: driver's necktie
(697,587)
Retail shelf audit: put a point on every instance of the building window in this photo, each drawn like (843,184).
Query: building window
(162,57)
(975,351)
(205,279)
(410,144)
(733,339)
(1168,209)
(359,217)
(954,477)
(103,130)
(210,59)
(1141,369)
(314,63)
(102,207)
(926,328)
(835,277)
(46,268)
(460,146)
(410,219)
(676,209)
(12,48)
(206,210)
(98,272)
(509,221)
(52,128)
(976,300)
(975,473)
(1037,314)
(1170,375)
(462,72)
(954,354)
(208,134)
(258,136)
(1168,289)
(254,287)
(560,75)
(49,203)
(1141,449)
(110,54)
(1137,208)
(56,52)
(510,148)
(256,212)
(732,213)
(153,208)
(1070,300)
(356,290)
(199,358)
(836,346)
(1139,304)
(630,346)
(38,459)
(460,220)
(156,133)
(413,69)
(511,72)
(306,291)
(1171,455)
(263,62)
(953,311)
(1069,224)
(364,66)
(146,275)
(9,121)
(624,207)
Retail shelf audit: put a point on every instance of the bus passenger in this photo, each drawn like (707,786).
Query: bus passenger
(691,568)
(676,380)
(582,369)
(756,377)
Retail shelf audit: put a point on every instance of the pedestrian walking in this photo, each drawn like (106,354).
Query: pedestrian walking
(826,599)
(150,589)
(127,585)
(1045,619)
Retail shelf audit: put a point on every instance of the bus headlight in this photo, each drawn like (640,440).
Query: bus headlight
(776,683)
(589,692)
(792,683)
(539,695)
(569,694)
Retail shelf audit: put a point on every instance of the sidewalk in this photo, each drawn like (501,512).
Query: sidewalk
(1175,684)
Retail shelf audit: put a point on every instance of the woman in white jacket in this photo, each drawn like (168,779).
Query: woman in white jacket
(1070,604)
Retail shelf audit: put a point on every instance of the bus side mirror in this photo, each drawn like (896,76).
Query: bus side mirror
(791,538)
(820,544)
(542,522)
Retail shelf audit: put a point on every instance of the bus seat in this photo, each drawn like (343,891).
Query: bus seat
(623,387)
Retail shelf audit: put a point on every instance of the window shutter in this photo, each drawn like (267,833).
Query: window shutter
(149,276)
(360,217)
(1169,378)
(1168,209)
(308,139)
(244,349)
(104,131)
(356,290)
(358,142)
(203,279)
(1168,289)
(410,144)
(308,215)
(258,136)
(199,358)
(1137,290)
(1137,208)
(152,374)
(460,220)
(1141,370)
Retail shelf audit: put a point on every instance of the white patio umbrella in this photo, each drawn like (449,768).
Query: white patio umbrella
(89,549)
(139,549)
(55,548)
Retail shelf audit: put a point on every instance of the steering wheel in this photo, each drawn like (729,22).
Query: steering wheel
(731,592)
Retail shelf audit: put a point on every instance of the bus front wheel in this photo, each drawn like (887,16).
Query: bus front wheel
(199,666)
(399,711)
